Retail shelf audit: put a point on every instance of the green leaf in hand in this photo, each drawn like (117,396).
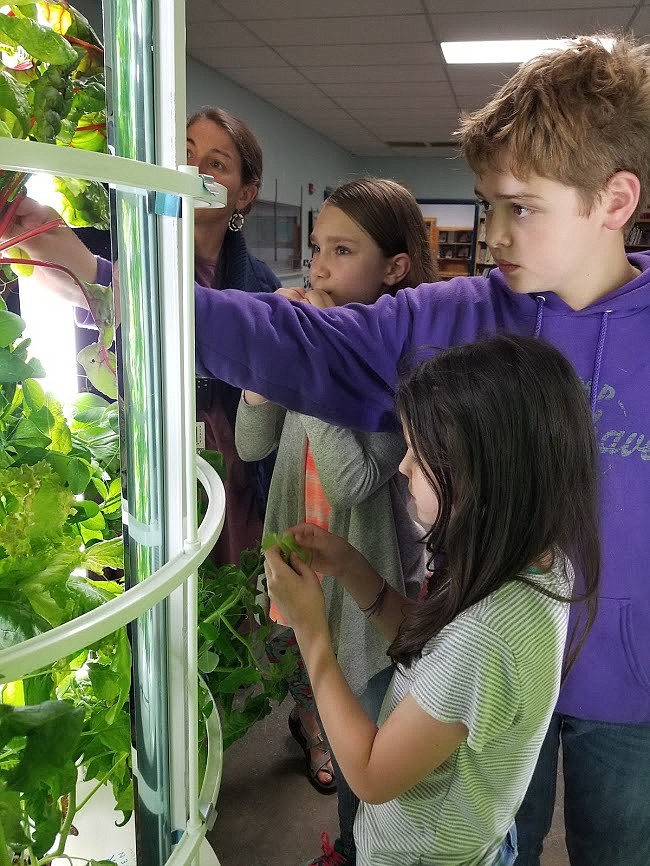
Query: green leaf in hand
(287,544)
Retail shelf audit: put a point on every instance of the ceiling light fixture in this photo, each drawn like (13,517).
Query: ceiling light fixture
(504,51)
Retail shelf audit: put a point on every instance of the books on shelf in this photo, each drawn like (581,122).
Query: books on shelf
(638,236)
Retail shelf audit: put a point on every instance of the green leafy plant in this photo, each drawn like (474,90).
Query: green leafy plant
(52,91)
(70,719)
(233,630)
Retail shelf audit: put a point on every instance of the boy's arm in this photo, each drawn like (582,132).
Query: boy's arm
(352,465)
(340,365)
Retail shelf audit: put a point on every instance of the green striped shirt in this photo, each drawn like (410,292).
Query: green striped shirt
(496,668)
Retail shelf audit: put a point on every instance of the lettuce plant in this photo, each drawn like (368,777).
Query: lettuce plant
(70,719)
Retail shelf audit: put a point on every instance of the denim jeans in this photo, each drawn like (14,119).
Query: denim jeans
(371,700)
(606,771)
(508,853)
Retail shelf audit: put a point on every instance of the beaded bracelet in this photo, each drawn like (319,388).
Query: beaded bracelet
(376,604)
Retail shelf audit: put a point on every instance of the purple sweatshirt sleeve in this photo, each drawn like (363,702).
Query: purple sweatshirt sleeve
(341,364)
(338,364)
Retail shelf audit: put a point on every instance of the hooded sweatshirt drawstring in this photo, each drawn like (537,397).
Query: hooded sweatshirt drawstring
(595,377)
(540,315)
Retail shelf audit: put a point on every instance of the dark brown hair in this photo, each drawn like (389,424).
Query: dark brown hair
(390,215)
(248,147)
(576,115)
(502,430)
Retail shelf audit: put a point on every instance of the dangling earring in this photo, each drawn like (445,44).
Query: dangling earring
(236,223)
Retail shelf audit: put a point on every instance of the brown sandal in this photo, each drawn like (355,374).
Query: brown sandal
(313,766)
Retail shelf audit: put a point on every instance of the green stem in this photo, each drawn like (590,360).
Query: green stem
(230,602)
(65,829)
(242,640)
(101,782)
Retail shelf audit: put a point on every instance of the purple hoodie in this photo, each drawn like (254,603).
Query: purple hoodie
(341,365)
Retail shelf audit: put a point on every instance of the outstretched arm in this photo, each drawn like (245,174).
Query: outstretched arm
(340,364)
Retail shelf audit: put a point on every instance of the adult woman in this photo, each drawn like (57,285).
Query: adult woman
(222,146)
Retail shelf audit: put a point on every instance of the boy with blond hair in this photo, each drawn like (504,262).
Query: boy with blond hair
(562,162)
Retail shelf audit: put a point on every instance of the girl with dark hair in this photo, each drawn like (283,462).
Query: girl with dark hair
(502,467)
(369,240)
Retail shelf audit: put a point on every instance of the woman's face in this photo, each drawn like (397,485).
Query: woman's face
(211,149)
(346,262)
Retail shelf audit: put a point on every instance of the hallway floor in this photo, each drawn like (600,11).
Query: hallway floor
(269,814)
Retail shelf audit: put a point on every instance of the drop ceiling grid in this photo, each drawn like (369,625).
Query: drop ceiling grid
(371,71)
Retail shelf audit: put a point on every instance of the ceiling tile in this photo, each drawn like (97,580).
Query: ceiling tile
(247,9)
(314,106)
(542,24)
(436,7)
(407,90)
(641,24)
(235,57)
(441,101)
(303,90)
(205,10)
(431,131)
(263,75)
(379,74)
(343,31)
(461,73)
(360,55)
(399,116)
(222,34)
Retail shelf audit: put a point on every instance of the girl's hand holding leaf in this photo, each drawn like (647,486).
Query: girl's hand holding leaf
(328,553)
(296,592)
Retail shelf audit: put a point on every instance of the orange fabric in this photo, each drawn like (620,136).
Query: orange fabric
(317,510)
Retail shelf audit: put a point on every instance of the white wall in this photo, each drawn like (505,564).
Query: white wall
(433,177)
(450,215)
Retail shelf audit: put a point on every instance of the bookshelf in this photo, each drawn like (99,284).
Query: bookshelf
(452,248)
(483,261)
(638,237)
